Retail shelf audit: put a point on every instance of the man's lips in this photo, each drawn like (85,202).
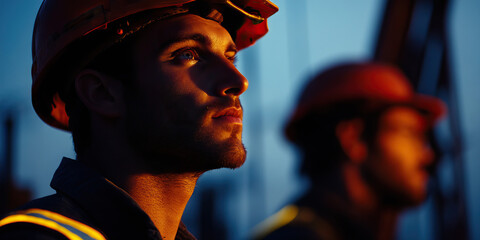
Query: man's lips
(232,114)
(424,172)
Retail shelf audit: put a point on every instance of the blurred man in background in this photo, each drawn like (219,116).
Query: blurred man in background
(363,135)
(150,92)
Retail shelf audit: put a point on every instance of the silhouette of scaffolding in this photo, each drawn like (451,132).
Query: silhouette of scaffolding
(413,36)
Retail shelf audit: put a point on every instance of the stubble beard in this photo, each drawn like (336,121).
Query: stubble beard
(183,144)
(178,153)
(232,152)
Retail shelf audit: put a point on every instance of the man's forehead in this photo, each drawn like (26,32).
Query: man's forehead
(404,115)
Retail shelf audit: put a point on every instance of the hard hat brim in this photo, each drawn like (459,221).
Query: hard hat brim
(433,109)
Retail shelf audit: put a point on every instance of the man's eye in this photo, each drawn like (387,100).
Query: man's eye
(233,59)
(186,55)
(232,56)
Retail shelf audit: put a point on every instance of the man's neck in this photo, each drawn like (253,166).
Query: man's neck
(163,198)
(380,218)
(346,186)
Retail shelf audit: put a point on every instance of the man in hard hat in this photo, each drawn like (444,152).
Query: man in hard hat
(363,135)
(150,92)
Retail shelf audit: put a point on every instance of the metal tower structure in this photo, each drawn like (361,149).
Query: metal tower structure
(413,36)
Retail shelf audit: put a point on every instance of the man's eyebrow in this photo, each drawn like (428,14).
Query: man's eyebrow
(196,37)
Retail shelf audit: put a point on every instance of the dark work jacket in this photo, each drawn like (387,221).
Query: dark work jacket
(315,216)
(86,196)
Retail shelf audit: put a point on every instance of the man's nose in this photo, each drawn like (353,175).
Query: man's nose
(230,80)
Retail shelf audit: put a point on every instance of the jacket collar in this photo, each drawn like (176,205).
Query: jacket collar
(110,207)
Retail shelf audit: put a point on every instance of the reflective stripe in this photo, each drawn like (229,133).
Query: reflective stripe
(295,216)
(276,221)
(70,228)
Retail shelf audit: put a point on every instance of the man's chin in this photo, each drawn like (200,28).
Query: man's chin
(419,197)
(203,154)
(233,159)
(408,199)
(230,156)
(224,153)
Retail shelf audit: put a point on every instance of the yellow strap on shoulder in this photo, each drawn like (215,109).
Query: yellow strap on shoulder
(70,228)
(296,216)
(276,221)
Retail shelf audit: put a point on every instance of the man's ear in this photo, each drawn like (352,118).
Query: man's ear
(349,134)
(100,93)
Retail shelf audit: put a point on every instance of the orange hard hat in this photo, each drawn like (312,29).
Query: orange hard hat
(60,23)
(376,83)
